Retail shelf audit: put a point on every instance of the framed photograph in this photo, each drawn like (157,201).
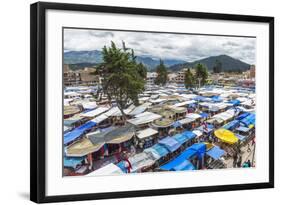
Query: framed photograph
(129,102)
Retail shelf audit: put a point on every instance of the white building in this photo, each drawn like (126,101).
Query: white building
(150,78)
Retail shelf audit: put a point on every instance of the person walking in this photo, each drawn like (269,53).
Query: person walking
(249,163)
(234,161)
(249,148)
(239,162)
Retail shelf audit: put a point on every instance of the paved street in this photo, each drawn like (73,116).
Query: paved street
(246,155)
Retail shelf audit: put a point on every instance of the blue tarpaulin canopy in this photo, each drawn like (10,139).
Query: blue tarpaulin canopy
(231,125)
(234,102)
(77,132)
(242,116)
(177,124)
(216,99)
(160,150)
(72,161)
(170,143)
(185,165)
(204,114)
(122,166)
(201,98)
(209,129)
(240,137)
(242,129)
(250,119)
(193,105)
(178,160)
(198,148)
(180,138)
(215,152)
(189,134)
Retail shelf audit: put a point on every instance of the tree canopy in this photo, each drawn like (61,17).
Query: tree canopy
(162,74)
(217,67)
(189,79)
(123,77)
(201,73)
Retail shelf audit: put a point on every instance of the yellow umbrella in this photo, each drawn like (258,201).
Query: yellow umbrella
(251,126)
(226,136)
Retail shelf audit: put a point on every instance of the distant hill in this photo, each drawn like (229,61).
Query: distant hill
(228,63)
(78,59)
(78,66)
(81,59)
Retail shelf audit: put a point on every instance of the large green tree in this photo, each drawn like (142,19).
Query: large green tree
(162,74)
(123,77)
(201,74)
(189,79)
(217,67)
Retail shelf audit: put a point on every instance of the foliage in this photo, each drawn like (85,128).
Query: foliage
(162,74)
(217,67)
(189,79)
(201,73)
(123,77)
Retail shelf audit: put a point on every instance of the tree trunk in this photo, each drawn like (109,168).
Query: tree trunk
(124,117)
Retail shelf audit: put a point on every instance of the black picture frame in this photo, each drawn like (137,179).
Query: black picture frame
(38,100)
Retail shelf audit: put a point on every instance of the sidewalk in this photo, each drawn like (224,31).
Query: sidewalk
(245,155)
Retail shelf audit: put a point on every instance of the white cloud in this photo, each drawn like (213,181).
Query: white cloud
(162,45)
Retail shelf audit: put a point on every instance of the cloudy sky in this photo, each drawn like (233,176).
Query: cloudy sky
(160,45)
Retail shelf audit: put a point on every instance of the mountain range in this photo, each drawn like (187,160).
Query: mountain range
(77,59)
(81,59)
(228,63)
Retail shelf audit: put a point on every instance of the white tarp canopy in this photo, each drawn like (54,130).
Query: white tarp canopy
(143,118)
(214,106)
(188,96)
(186,121)
(198,133)
(67,101)
(180,104)
(109,169)
(100,118)
(88,96)
(71,94)
(95,112)
(242,99)
(143,98)
(126,111)
(225,115)
(193,116)
(245,109)
(252,95)
(157,100)
(140,161)
(248,103)
(218,106)
(111,111)
(152,152)
(140,109)
(89,105)
(65,128)
(146,133)
(154,96)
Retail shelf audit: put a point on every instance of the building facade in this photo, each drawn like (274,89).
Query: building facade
(80,77)
(150,78)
